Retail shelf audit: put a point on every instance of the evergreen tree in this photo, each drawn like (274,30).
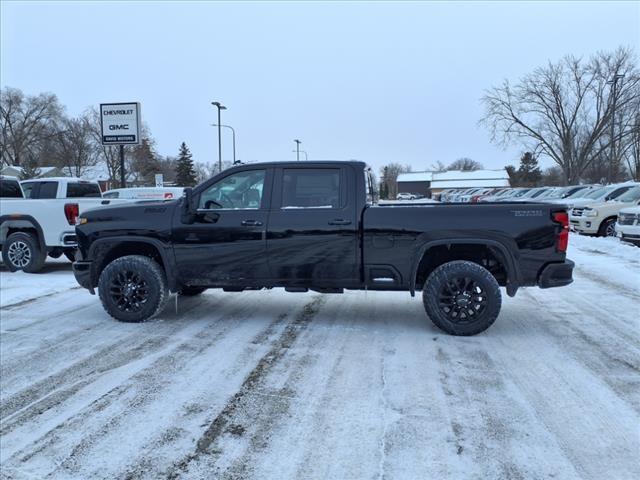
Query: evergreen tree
(529,174)
(145,162)
(185,170)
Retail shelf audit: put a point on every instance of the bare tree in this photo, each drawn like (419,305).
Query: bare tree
(109,154)
(631,150)
(26,122)
(465,164)
(77,148)
(564,110)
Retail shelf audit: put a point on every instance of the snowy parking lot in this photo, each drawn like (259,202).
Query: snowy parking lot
(361,385)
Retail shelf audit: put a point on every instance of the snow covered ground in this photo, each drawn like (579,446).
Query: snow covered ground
(361,385)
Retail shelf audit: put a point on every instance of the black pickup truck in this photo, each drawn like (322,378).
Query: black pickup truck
(317,226)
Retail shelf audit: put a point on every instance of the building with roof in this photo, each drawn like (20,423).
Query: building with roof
(431,183)
(43,172)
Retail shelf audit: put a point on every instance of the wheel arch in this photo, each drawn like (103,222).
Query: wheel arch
(498,250)
(104,251)
(21,223)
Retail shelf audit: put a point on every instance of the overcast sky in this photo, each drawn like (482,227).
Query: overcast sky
(378,82)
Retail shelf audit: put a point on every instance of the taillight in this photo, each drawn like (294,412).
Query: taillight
(71,211)
(562,240)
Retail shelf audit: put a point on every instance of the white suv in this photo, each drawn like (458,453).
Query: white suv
(600,218)
(628,225)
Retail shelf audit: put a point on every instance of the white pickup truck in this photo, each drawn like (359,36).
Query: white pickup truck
(43,223)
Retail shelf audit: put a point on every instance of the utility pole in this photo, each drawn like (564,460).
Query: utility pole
(298,142)
(220,107)
(614,93)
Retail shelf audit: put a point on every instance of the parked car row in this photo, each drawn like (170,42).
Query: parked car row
(38,216)
(593,209)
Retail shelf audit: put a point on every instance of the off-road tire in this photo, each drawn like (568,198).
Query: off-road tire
(138,270)
(191,291)
(436,296)
(27,244)
(608,224)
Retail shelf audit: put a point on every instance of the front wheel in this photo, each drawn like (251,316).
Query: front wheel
(462,298)
(133,288)
(608,228)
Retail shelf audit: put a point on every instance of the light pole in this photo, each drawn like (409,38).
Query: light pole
(220,107)
(234,138)
(298,142)
(306,157)
(614,92)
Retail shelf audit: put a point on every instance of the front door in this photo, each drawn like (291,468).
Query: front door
(226,244)
(312,237)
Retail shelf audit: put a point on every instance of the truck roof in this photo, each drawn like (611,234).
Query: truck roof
(302,163)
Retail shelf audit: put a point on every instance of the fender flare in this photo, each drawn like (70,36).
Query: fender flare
(164,249)
(513,272)
(23,221)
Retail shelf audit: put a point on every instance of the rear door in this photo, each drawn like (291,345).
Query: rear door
(312,235)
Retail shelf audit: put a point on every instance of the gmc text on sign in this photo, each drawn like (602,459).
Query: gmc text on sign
(120,123)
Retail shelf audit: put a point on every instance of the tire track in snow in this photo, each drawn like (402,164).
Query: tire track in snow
(242,400)
(136,391)
(56,388)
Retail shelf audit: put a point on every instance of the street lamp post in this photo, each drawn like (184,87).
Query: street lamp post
(614,89)
(298,142)
(233,132)
(306,157)
(220,107)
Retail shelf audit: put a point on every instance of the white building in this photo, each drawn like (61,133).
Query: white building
(430,183)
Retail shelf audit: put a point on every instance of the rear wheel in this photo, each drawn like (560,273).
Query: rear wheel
(22,251)
(462,298)
(133,288)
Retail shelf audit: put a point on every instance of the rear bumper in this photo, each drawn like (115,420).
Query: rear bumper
(82,272)
(556,275)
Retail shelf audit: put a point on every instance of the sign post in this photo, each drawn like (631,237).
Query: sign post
(120,125)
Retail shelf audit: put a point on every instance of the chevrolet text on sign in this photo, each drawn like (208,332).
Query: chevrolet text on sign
(120,123)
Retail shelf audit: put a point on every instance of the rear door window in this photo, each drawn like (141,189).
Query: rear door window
(312,188)
(79,190)
(45,190)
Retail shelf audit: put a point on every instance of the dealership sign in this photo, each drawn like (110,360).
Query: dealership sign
(120,123)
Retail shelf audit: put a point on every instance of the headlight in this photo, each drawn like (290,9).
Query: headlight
(81,221)
(590,212)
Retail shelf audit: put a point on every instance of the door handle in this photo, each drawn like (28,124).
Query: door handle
(339,221)
(251,223)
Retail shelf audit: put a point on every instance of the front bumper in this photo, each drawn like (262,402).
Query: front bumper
(556,274)
(588,225)
(82,272)
(628,233)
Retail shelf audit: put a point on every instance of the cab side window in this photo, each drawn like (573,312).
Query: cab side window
(239,191)
(311,188)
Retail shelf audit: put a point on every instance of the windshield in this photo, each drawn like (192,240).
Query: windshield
(595,194)
(521,193)
(630,196)
(583,193)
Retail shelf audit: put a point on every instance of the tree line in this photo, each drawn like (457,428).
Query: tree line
(35,131)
